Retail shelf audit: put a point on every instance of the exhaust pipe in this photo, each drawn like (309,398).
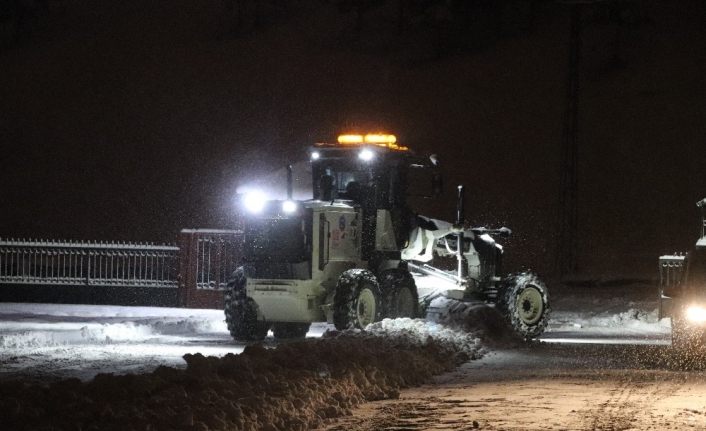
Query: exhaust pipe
(460,220)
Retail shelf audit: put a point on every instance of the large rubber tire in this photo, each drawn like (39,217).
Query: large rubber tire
(524,301)
(241,311)
(288,330)
(357,301)
(400,294)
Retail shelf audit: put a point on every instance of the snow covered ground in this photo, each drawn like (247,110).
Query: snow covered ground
(58,340)
(211,382)
(607,315)
(51,340)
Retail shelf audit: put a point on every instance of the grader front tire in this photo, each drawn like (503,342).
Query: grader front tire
(241,311)
(524,301)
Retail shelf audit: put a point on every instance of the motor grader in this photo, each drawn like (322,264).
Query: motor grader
(347,254)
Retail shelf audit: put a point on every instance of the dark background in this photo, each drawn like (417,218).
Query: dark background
(129,120)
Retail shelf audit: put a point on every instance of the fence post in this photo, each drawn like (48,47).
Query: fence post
(88,268)
(218,258)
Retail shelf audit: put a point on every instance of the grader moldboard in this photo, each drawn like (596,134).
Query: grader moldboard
(345,256)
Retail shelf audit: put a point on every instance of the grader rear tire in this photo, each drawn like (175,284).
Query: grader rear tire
(241,311)
(357,301)
(400,293)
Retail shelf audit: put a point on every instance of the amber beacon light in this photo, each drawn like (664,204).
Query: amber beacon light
(378,139)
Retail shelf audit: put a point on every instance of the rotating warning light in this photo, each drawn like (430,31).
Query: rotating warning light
(350,139)
(373,138)
(377,139)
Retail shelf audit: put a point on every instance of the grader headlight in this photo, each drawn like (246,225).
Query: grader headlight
(289,206)
(366,155)
(254,201)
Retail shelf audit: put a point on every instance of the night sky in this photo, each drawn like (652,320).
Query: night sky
(131,120)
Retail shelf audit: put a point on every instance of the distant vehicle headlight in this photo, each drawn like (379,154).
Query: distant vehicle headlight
(289,206)
(696,314)
(254,201)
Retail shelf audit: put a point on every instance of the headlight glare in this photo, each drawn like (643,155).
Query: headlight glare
(254,201)
(366,155)
(289,206)
(696,314)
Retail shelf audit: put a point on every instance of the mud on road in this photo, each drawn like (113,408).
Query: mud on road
(552,387)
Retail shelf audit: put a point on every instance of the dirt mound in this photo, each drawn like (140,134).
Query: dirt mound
(296,386)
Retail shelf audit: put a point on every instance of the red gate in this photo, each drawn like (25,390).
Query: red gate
(207,259)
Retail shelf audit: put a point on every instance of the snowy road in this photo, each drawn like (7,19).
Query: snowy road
(550,387)
(43,341)
(604,363)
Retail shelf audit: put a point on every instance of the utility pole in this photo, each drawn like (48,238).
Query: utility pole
(568,205)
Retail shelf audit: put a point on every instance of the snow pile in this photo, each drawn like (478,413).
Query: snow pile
(477,318)
(27,339)
(633,317)
(418,332)
(296,386)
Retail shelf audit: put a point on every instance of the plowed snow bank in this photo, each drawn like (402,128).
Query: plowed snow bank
(296,386)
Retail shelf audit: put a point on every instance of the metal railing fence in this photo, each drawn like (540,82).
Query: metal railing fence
(49,262)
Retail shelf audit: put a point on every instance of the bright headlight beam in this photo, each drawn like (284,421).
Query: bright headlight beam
(315,155)
(254,201)
(696,314)
(366,155)
(289,206)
